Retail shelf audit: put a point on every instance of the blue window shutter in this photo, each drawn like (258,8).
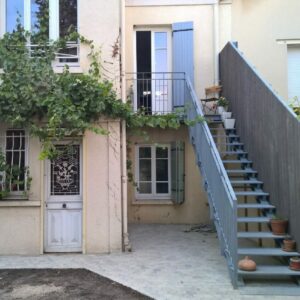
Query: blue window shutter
(183,58)
(177,170)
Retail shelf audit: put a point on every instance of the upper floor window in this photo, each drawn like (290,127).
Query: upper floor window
(46,19)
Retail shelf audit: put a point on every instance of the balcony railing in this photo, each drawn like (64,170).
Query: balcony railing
(156,93)
(67,55)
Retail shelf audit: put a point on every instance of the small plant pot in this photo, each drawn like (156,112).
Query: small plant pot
(289,245)
(279,226)
(220,110)
(229,123)
(226,115)
(295,263)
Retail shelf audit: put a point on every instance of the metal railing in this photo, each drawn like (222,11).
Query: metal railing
(156,92)
(270,132)
(221,197)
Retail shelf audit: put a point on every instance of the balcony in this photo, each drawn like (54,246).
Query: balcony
(156,93)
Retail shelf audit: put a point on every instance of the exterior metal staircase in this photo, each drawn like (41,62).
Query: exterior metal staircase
(254,210)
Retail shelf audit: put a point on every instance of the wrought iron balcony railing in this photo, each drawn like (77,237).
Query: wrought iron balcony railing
(156,92)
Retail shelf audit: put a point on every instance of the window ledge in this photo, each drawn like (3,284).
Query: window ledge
(58,69)
(152,202)
(19,203)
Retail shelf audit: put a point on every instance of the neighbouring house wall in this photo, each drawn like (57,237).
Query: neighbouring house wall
(102,184)
(256,25)
(193,210)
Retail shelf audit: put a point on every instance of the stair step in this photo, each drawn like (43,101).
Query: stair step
(259,235)
(265,252)
(237,161)
(243,171)
(271,270)
(225,136)
(251,193)
(251,181)
(237,152)
(232,144)
(253,220)
(256,206)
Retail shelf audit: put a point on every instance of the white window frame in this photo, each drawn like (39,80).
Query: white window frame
(3,133)
(153,195)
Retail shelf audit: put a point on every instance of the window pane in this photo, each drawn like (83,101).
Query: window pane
(162,170)
(145,170)
(160,40)
(145,188)
(145,152)
(162,188)
(67,16)
(162,152)
(14,11)
(40,19)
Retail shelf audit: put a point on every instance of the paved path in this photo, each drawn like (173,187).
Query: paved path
(166,263)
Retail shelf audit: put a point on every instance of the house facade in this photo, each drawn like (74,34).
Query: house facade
(90,211)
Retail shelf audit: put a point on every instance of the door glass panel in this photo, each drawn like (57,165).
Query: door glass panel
(65,171)
(14,11)
(161,77)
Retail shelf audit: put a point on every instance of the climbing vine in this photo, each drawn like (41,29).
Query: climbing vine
(52,106)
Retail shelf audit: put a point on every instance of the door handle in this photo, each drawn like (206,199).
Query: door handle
(64,205)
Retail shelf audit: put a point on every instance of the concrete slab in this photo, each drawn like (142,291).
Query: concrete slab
(166,263)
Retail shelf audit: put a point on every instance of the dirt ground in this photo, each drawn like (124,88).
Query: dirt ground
(50,284)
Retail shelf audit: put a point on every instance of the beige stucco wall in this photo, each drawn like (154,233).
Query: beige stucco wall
(193,210)
(256,25)
(102,184)
(100,21)
(201,15)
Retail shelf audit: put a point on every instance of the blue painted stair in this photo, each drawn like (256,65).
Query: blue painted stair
(254,210)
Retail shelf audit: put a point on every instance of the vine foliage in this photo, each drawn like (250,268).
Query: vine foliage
(52,106)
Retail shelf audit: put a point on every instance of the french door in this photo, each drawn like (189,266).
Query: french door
(153,66)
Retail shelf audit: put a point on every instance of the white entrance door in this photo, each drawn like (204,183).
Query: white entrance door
(63,213)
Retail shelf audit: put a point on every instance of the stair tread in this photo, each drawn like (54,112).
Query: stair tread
(251,193)
(241,171)
(234,152)
(237,161)
(256,206)
(266,252)
(251,181)
(271,270)
(224,136)
(259,234)
(253,219)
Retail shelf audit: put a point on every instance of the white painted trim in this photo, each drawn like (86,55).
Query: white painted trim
(2,17)
(154,195)
(168,2)
(288,41)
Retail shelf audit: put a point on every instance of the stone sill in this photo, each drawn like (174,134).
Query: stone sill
(19,203)
(152,202)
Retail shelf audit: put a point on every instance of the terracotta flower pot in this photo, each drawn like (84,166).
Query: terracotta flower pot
(247,264)
(295,263)
(279,226)
(289,245)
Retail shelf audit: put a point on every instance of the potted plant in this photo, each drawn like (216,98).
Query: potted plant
(289,244)
(247,264)
(229,123)
(278,225)
(222,105)
(295,263)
